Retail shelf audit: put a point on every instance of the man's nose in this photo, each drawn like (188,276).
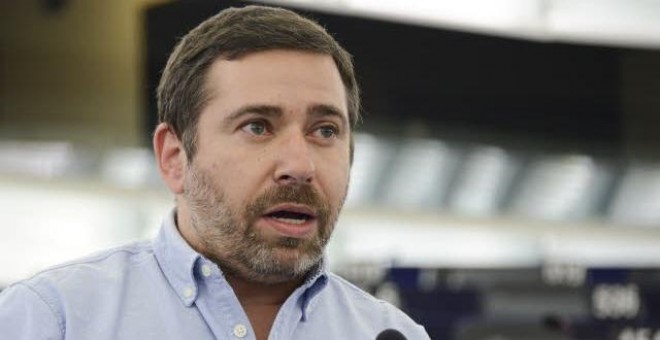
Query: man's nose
(294,160)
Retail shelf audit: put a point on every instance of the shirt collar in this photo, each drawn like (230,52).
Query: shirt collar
(179,262)
(313,285)
(177,259)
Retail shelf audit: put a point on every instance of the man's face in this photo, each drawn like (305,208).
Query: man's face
(272,165)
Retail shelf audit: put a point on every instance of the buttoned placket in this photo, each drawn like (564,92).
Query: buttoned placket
(219,306)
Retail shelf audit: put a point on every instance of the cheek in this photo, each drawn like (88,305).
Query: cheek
(238,175)
(336,182)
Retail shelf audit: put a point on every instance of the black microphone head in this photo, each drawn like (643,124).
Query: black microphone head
(390,334)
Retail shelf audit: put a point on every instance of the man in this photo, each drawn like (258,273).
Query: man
(257,107)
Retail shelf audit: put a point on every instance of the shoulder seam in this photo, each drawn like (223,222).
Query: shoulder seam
(103,255)
(355,288)
(57,315)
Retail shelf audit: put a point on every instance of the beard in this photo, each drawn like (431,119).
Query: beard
(230,238)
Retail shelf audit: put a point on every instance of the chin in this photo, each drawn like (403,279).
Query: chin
(294,259)
(286,265)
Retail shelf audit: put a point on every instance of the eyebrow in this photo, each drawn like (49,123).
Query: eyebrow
(315,110)
(323,110)
(262,110)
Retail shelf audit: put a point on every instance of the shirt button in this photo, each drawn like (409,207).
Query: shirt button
(188,292)
(240,330)
(206,270)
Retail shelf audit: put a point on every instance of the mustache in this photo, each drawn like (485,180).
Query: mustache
(291,193)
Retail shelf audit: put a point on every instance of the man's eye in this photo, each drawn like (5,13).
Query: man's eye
(327,131)
(256,128)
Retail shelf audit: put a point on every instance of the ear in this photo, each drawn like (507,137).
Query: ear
(170,157)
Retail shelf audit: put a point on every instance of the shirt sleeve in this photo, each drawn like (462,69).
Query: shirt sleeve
(24,315)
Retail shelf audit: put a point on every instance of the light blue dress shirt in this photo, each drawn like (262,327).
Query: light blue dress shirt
(165,290)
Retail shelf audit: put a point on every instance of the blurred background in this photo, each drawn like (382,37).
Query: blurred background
(506,183)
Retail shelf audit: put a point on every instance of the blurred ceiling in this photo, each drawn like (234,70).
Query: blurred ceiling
(620,23)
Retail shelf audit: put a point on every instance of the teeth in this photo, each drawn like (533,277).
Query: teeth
(290,220)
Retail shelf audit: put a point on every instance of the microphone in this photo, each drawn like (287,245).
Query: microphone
(558,324)
(390,334)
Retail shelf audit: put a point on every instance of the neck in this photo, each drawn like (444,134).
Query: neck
(255,293)
(261,302)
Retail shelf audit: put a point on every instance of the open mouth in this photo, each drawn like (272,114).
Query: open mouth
(291,213)
(290,217)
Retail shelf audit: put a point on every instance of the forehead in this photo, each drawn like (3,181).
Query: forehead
(277,77)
